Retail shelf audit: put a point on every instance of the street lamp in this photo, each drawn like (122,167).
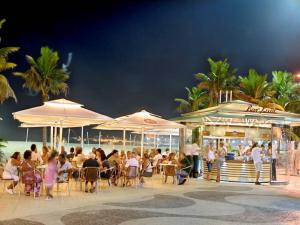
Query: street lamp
(297,77)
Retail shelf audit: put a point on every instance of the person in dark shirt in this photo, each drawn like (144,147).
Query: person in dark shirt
(71,155)
(184,169)
(91,175)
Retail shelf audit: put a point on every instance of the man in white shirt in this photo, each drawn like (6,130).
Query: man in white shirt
(257,161)
(35,156)
(64,167)
(157,157)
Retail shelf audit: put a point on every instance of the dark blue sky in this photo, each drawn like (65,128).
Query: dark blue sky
(133,55)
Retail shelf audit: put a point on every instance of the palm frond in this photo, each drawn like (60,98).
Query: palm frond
(5,90)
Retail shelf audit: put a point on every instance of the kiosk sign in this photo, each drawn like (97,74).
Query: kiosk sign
(260,109)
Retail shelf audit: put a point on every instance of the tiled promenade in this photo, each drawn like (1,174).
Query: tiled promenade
(197,202)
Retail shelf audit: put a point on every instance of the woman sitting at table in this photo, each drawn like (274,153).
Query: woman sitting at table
(31,177)
(79,157)
(147,168)
(104,165)
(11,171)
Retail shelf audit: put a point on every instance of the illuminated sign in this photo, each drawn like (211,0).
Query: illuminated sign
(260,109)
(150,121)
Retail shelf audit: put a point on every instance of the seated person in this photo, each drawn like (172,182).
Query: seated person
(71,155)
(64,168)
(114,158)
(90,175)
(147,168)
(30,177)
(132,161)
(184,169)
(11,171)
(79,157)
(104,165)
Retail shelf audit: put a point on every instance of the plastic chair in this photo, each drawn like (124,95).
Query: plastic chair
(67,182)
(106,177)
(132,173)
(169,171)
(91,174)
(5,180)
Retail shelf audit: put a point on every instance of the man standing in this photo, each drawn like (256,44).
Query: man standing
(257,161)
(273,157)
(221,159)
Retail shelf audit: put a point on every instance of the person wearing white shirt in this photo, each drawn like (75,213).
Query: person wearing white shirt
(132,161)
(257,161)
(157,157)
(35,156)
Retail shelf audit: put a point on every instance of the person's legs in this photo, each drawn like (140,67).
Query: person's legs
(273,169)
(12,185)
(257,176)
(258,168)
(209,167)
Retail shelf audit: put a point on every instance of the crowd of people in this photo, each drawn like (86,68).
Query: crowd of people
(60,166)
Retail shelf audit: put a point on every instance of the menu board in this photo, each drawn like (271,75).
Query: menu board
(234,134)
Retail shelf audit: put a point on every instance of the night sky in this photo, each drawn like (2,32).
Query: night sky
(133,55)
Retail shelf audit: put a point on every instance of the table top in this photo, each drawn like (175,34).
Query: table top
(41,167)
(167,164)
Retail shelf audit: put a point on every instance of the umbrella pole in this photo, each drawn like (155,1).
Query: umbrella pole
(99,139)
(130,140)
(142,143)
(157,140)
(55,137)
(170,144)
(87,138)
(81,137)
(60,135)
(51,137)
(69,136)
(124,139)
(154,139)
(27,130)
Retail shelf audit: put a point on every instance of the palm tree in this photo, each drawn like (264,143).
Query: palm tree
(255,89)
(2,155)
(196,99)
(5,89)
(286,92)
(45,76)
(220,77)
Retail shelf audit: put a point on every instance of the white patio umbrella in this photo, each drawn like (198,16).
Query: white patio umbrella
(60,113)
(142,121)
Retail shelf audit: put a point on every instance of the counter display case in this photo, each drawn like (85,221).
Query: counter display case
(239,171)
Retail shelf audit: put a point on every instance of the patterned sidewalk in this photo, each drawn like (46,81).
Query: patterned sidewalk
(198,202)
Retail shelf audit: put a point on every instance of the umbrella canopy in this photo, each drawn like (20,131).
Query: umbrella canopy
(60,111)
(142,121)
